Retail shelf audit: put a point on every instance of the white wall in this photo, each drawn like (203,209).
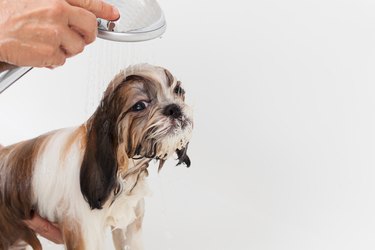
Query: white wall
(283,147)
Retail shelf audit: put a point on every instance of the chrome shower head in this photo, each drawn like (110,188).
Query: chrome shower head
(140,20)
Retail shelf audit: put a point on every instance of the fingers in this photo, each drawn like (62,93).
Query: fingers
(45,33)
(57,56)
(72,42)
(83,22)
(71,38)
(45,229)
(98,7)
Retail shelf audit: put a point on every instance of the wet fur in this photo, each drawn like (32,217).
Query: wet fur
(93,176)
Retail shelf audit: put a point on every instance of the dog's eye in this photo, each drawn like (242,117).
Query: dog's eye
(178,90)
(139,106)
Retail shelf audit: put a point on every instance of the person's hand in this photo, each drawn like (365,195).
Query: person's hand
(44,33)
(45,229)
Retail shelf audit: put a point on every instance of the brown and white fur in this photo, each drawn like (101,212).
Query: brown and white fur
(92,177)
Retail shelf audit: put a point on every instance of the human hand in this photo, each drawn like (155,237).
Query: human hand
(45,229)
(44,33)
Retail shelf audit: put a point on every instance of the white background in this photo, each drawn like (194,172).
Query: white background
(283,147)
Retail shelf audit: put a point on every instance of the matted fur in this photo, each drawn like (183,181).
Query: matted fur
(91,177)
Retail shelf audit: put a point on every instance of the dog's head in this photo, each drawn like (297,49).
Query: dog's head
(142,115)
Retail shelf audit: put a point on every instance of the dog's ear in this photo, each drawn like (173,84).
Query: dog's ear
(101,160)
(183,158)
(99,165)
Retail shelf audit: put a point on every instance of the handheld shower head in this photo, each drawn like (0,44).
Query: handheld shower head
(140,20)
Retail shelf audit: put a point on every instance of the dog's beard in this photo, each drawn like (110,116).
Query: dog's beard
(174,134)
(163,136)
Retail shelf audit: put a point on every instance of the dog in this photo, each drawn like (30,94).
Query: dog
(93,176)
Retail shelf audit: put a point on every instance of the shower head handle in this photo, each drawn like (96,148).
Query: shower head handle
(9,74)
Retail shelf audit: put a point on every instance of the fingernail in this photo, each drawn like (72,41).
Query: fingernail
(115,12)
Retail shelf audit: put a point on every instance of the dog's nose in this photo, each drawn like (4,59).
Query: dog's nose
(172,110)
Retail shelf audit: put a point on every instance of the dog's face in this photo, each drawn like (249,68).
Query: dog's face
(154,121)
(142,115)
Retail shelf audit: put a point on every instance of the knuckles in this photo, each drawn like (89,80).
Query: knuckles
(56,10)
(48,51)
(61,61)
(86,3)
(92,27)
(81,48)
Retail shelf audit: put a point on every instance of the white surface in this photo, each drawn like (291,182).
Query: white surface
(283,148)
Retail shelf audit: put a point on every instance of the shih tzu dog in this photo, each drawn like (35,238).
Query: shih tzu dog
(92,177)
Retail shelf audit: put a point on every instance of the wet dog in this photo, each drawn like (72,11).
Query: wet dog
(91,177)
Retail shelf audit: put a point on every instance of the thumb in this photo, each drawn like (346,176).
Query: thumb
(98,7)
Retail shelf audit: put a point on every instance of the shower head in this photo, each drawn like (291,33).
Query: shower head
(140,20)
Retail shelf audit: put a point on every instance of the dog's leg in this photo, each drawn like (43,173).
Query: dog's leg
(119,239)
(131,238)
(30,238)
(72,236)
